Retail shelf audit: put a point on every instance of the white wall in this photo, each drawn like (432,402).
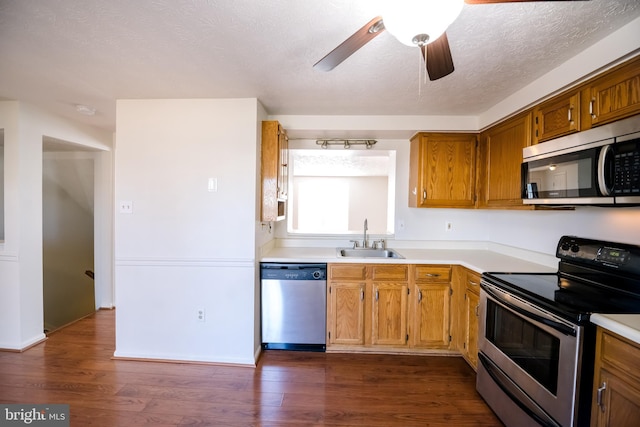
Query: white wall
(21,304)
(184,248)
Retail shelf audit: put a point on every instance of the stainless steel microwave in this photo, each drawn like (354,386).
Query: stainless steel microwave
(600,166)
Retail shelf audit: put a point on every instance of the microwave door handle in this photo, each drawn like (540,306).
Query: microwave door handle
(602,168)
(524,309)
(516,394)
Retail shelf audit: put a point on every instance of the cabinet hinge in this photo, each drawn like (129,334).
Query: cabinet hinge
(449,338)
(408,291)
(450,291)
(407,338)
(329,334)
(465,296)
(464,345)
(329,289)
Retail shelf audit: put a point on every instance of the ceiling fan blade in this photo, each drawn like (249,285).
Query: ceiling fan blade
(361,37)
(437,55)
(508,1)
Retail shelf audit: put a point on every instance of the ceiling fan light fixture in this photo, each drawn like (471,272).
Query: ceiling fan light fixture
(423,20)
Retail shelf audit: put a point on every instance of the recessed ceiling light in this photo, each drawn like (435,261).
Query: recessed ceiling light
(85,109)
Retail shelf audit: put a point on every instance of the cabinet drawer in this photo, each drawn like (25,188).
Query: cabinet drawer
(620,354)
(432,273)
(390,272)
(472,281)
(347,271)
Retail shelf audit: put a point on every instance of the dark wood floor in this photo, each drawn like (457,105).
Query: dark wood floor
(74,366)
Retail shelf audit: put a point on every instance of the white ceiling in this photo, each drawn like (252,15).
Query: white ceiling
(59,53)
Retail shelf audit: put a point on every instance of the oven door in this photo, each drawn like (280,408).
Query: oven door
(531,355)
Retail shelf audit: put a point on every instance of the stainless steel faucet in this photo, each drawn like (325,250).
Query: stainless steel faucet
(365,244)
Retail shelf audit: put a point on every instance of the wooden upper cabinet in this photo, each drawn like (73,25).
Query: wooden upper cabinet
(499,163)
(557,117)
(274,171)
(442,170)
(613,96)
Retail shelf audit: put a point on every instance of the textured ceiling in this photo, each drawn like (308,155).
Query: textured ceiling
(58,53)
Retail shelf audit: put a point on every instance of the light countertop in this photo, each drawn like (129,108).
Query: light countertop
(478,260)
(625,325)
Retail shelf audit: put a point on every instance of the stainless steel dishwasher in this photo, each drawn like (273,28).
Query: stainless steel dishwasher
(294,301)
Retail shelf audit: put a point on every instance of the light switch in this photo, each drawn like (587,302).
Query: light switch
(212,185)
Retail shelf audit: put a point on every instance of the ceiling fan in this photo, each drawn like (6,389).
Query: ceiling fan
(414,23)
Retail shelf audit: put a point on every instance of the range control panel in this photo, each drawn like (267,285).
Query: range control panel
(621,256)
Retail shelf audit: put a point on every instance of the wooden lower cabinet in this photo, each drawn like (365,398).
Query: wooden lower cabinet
(616,390)
(472,306)
(389,314)
(388,308)
(346,303)
(431,310)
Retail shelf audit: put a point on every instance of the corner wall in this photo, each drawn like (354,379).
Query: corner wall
(183,248)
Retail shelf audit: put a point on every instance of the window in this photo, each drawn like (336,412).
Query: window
(332,192)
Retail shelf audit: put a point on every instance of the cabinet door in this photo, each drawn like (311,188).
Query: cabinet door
(616,404)
(346,313)
(431,315)
(472,305)
(283,160)
(557,117)
(389,314)
(500,159)
(442,170)
(614,96)
(273,206)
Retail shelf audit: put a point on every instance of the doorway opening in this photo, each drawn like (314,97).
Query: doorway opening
(68,174)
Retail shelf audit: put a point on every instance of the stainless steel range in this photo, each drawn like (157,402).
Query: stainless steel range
(536,344)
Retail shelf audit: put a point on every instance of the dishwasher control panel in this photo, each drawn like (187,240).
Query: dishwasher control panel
(276,271)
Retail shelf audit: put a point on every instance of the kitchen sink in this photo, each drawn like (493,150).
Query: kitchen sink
(367,253)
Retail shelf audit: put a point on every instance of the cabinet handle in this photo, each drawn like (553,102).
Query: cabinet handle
(419,296)
(424,194)
(591,105)
(477,310)
(377,295)
(361,294)
(570,114)
(601,390)
(432,275)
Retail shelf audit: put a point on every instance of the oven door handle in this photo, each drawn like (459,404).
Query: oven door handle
(527,311)
(514,392)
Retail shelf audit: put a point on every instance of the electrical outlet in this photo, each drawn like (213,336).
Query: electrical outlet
(126,206)
(448,226)
(201,315)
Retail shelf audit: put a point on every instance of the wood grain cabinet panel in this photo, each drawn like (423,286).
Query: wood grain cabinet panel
(613,96)
(431,309)
(346,313)
(274,171)
(500,160)
(389,314)
(557,117)
(616,390)
(442,170)
(367,306)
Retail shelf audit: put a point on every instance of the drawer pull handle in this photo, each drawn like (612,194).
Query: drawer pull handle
(472,283)
(601,390)
(432,274)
